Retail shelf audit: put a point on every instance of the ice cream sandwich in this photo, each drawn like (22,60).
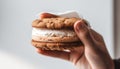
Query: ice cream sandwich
(55,33)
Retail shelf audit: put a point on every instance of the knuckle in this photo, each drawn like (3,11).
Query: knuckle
(100,36)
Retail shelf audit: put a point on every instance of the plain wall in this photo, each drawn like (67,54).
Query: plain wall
(16,17)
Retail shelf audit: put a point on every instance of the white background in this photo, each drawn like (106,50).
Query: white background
(15,29)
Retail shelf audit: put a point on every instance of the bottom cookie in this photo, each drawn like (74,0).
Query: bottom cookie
(55,45)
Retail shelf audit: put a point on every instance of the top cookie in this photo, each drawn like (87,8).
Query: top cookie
(55,23)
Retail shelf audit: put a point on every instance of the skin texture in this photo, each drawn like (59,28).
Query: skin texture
(92,55)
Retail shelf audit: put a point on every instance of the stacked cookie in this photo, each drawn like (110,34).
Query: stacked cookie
(55,33)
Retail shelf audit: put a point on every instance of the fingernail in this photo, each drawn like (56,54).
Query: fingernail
(80,26)
(39,50)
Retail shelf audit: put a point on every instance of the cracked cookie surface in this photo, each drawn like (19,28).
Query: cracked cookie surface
(54,23)
(56,45)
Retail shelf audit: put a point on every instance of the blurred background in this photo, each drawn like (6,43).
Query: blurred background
(16,16)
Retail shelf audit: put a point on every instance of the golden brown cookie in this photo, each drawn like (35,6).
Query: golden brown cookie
(54,23)
(56,45)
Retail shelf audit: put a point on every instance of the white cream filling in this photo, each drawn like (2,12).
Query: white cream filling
(53,33)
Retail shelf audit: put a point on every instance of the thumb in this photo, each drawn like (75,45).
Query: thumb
(83,33)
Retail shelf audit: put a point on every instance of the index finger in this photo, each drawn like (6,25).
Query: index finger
(48,15)
(54,53)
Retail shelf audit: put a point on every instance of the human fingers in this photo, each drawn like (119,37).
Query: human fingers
(47,15)
(83,32)
(98,37)
(99,40)
(57,54)
(76,54)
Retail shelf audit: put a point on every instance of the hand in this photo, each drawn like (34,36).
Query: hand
(92,55)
